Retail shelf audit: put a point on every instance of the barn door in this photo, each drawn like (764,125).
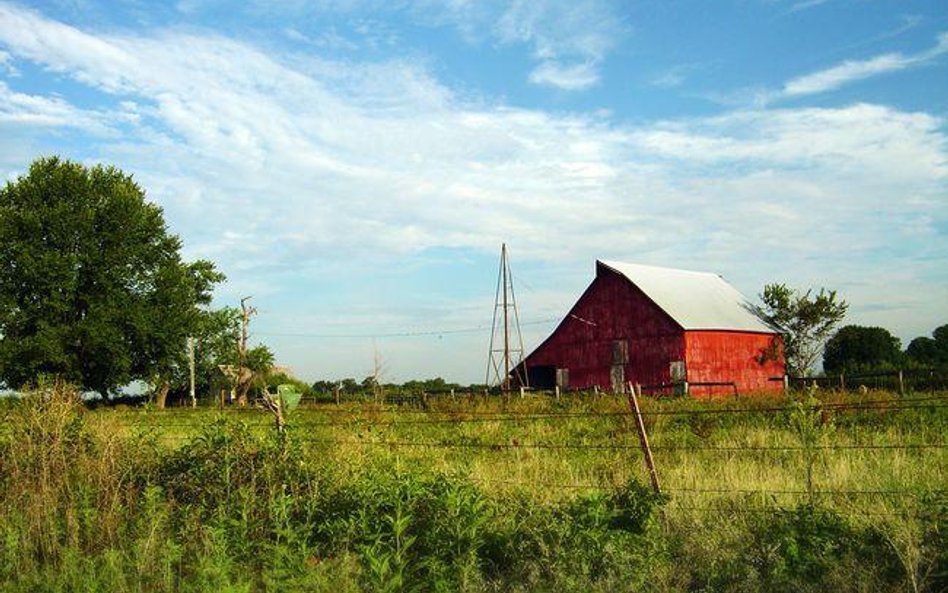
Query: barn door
(617,375)
(620,356)
(562,378)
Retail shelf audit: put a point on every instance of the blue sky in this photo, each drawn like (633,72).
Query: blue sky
(355,164)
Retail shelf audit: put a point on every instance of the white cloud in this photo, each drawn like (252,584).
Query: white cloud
(671,78)
(569,78)
(856,70)
(48,112)
(6,64)
(807,4)
(568,39)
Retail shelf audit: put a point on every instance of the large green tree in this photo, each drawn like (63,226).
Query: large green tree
(804,319)
(930,351)
(858,348)
(92,285)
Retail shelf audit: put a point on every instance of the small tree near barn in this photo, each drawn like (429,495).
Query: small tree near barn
(805,320)
(93,289)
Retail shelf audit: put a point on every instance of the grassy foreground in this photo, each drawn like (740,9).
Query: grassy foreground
(844,493)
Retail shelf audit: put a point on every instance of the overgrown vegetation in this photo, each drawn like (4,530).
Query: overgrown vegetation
(197,500)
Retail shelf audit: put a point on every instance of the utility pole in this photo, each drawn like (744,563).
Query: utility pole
(191,365)
(245,313)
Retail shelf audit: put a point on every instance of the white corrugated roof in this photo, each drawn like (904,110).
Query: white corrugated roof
(695,300)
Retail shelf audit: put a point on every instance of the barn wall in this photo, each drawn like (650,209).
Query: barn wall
(722,356)
(612,309)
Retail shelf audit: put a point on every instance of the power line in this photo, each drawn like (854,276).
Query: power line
(398,334)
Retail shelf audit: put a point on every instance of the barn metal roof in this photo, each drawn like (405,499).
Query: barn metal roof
(695,300)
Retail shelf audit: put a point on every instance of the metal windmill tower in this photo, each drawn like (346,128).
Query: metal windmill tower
(506,341)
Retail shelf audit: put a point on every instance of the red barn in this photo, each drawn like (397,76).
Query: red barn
(659,326)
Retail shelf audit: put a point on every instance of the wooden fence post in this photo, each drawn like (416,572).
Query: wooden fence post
(901,383)
(643,438)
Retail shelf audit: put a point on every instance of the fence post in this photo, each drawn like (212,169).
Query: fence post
(643,440)
(842,382)
(901,383)
(556,390)
(786,383)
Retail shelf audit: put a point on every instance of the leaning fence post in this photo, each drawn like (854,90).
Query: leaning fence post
(643,440)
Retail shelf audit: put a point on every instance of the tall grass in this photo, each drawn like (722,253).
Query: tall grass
(379,498)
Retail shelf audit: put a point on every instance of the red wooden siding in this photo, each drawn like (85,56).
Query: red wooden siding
(612,309)
(723,356)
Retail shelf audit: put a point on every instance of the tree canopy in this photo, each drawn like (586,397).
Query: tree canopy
(858,348)
(805,321)
(92,285)
(930,351)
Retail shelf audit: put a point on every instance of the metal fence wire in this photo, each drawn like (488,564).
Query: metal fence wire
(368,427)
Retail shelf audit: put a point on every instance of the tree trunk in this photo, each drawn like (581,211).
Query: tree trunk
(161,394)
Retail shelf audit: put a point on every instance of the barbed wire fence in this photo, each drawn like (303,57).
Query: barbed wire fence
(378,427)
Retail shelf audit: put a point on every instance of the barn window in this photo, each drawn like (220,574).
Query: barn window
(620,352)
(676,369)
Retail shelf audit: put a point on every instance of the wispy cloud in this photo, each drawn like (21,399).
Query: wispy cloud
(49,112)
(669,79)
(675,76)
(855,70)
(569,39)
(6,64)
(806,5)
(566,77)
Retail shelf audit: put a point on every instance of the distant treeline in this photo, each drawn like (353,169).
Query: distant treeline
(861,349)
(371,385)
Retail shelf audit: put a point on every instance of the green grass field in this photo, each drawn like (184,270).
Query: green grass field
(820,492)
